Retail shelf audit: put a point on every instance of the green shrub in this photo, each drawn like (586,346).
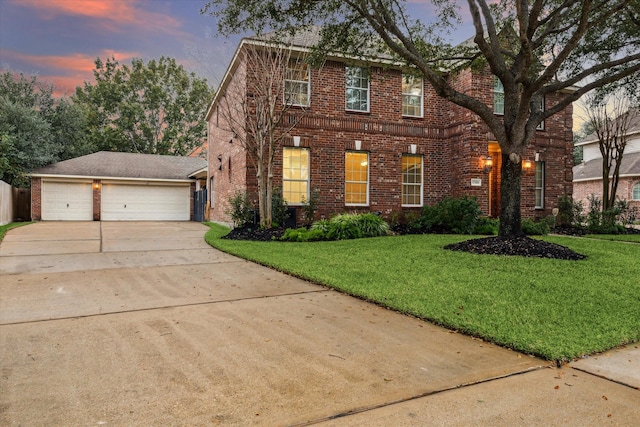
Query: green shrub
(343,227)
(487,226)
(532,228)
(451,215)
(371,225)
(240,209)
(570,212)
(310,206)
(279,212)
(348,226)
(302,235)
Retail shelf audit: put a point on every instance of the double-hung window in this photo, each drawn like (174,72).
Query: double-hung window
(539,185)
(295,175)
(635,193)
(411,180)
(296,84)
(412,93)
(356,178)
(357,89)
(498,96)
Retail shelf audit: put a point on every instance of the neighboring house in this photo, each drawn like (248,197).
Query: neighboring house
(587,176)
(112,186)
(371,138)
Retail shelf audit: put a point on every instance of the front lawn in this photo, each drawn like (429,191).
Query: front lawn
(555,309)
(633,238)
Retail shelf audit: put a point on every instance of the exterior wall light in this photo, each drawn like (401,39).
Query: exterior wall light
(526,164)
(487,164)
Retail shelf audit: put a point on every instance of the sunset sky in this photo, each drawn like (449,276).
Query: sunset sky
(59,40)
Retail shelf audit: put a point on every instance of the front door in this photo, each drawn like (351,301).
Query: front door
(494,180)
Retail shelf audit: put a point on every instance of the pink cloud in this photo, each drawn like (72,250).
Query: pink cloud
(109,14)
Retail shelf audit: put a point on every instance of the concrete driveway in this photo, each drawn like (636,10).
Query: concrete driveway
(123,323)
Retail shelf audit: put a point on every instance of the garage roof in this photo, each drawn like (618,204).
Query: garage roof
(592,169)
(126,165)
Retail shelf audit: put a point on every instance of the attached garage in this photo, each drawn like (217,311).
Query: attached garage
(67,201)
(144,202)
(112,186)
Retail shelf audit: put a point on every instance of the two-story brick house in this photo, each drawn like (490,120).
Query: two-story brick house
(370,137)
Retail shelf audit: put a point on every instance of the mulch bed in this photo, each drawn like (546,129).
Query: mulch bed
(518,246)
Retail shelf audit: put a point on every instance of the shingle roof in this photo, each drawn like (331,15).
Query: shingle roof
(593,168)
(126,165)
(633,128)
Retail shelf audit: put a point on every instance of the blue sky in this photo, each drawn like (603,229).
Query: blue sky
(59,40)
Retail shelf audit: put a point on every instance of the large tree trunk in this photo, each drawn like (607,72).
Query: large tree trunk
(510,215)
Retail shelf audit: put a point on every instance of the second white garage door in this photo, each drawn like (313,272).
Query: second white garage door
(152,202)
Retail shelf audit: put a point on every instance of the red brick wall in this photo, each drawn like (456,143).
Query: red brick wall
(452,140)
(583,189)
(36,199)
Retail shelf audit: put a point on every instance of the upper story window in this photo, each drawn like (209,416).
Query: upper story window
(296,84)
(295,175)
(411,180)
(356,178)
(539,185)
(357,89)
(498,96)
(412,94)
(541,125)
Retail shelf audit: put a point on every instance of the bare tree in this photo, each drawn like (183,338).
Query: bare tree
(611,118)
(254,107)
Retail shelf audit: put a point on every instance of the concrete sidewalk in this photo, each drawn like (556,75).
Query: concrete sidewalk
(145,324)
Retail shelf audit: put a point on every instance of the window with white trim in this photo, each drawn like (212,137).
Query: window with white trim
(412,95)
(635,193)
(541,124)
(295,175)
(539,185)
(498,96)
(356,178)
(411,180)
(212,192)
(357,89)
(296,84)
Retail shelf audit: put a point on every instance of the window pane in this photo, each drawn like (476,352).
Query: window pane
(498,96)
(411,180)
(296,84)
(539,185)
(295,175)
(357,89)
(636,192)
(356,178)
(412,88)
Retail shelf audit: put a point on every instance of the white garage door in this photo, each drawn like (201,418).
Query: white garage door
(135,202)
(67,201)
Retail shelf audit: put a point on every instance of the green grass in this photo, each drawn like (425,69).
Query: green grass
(633,238)
(555,309)
(7,227)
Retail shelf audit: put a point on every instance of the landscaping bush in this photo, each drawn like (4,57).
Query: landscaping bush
(340,227)
(570,212)
(240,209)
(278,208)
(487,226)
(532,228)
(451,216)
(310,206)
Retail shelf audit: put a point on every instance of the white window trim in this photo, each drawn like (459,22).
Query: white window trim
(541,187)
(633,190)
(497,80)
(543,106)
(366,203)
(421,183)
(409,94)
(308,180)
(368,89)
(307,82)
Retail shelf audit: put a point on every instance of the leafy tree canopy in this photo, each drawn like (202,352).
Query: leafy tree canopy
(35,128)
(155,107)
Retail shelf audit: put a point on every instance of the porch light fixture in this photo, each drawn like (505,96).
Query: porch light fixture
(96,185)
(487,164)
(526,164)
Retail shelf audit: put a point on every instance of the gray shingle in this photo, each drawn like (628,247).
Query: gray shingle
(593,168)
(126,165)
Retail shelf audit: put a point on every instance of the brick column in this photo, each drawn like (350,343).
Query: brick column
(97,198)
(36,199)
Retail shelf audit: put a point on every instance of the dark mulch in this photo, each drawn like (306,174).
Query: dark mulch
(255,233)
(519,246)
